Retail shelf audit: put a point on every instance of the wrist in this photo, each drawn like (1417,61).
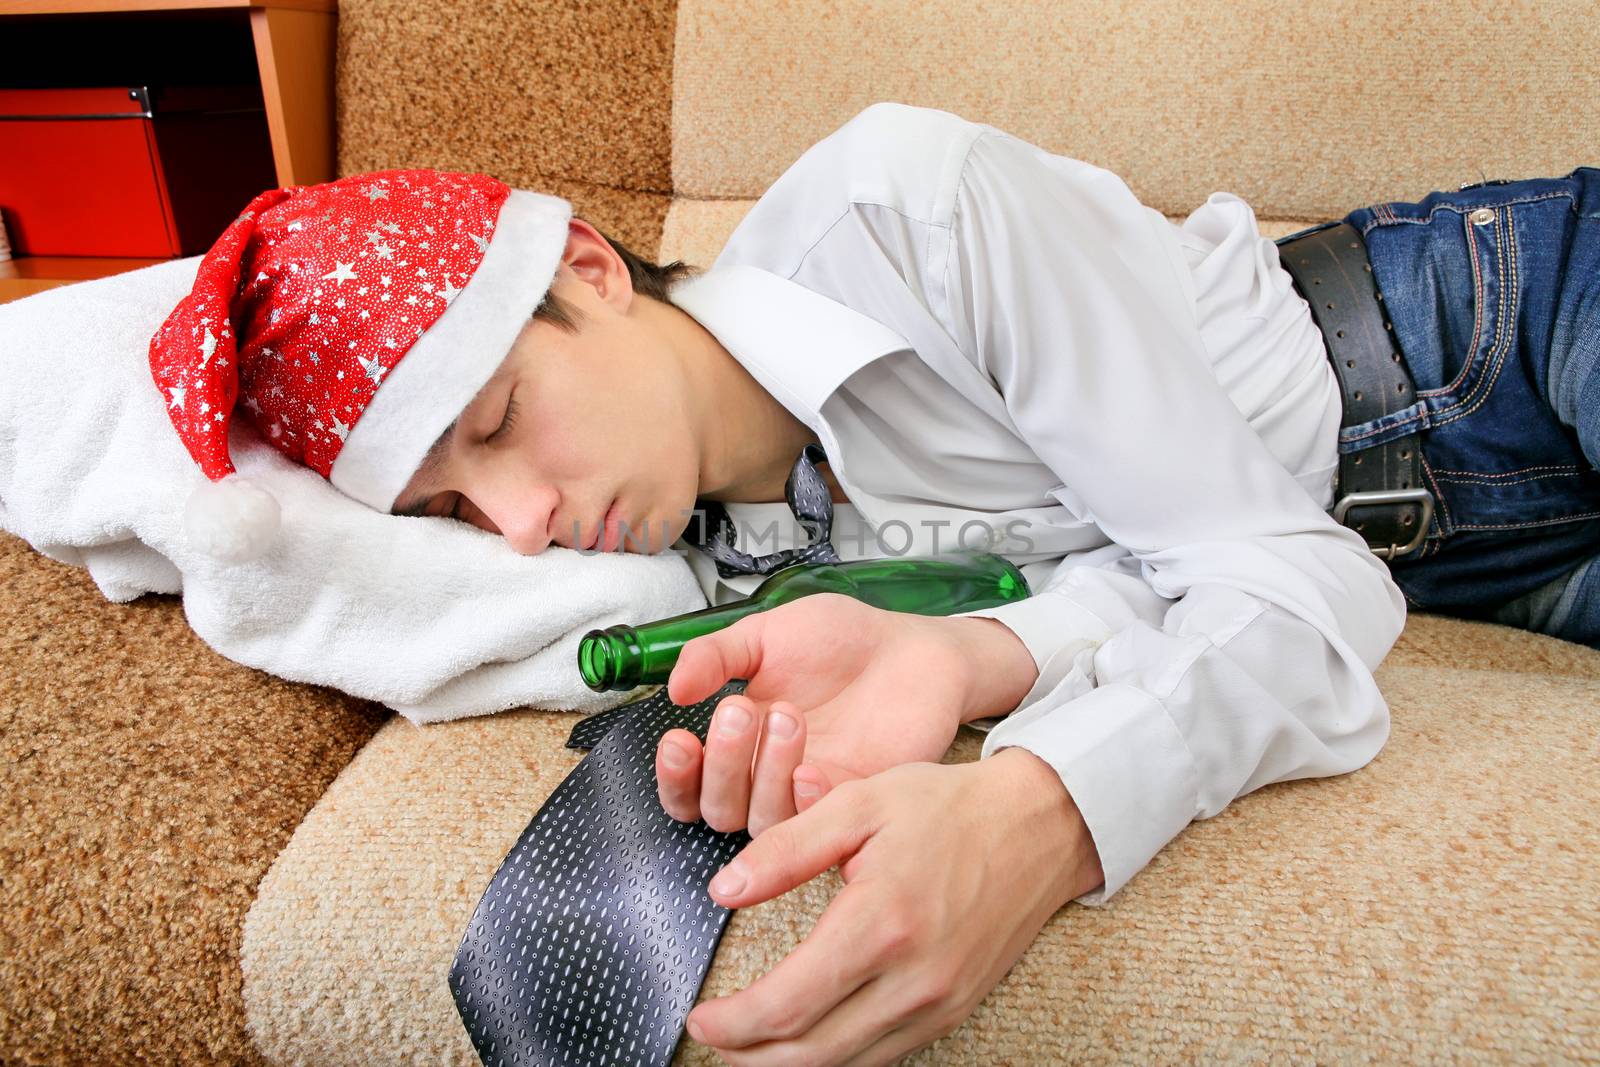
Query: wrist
(999,668)
(1041,804)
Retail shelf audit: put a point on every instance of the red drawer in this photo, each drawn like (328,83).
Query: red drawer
(129,171)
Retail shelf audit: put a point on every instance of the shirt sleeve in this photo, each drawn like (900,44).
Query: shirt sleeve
(1231,641)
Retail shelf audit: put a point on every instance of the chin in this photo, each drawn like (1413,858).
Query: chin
(656,534)
(648,541)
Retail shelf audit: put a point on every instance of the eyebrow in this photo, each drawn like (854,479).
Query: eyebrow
(430,466)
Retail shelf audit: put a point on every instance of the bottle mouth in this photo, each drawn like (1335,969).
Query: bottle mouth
(595,661)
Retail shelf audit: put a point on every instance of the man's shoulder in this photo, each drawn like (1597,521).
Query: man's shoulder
(898,157)
(902,156)
(890,129)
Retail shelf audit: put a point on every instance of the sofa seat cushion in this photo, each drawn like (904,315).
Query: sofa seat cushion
(1442,897)
(147,784)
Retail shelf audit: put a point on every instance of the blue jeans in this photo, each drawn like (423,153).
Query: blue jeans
(1494,293)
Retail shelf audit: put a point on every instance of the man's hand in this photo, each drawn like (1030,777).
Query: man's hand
(847,688)
(917,938)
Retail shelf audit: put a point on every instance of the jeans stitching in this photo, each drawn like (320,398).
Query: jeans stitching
(1438,495)
(1519,481)
(1421,414)
(1563,470)
(1505,328)
(1408,221)
(1478,315)
(1535,522)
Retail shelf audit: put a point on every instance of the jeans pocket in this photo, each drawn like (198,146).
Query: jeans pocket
(1488,243)
(1473,292)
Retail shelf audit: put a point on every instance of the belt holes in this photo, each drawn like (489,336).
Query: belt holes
(1407,520)
(1361,526)
(1354,244)
(1358,394)
(1316,281)
(1405,453)
(1330,307)
(1369,265)
(1395,356)
(1349,363)
(1338,333)
(1399,387)
(1358,461)
(1380,296)
(1388,326)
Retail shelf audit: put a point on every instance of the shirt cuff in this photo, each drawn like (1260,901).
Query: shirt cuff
(1054,629)
(1124,763)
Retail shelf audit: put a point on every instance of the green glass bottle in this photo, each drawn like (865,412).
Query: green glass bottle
(625,657)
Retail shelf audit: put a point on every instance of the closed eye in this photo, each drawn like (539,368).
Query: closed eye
(510,417)
(505,427)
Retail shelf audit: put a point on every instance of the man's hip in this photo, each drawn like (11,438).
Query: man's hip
(1487,305)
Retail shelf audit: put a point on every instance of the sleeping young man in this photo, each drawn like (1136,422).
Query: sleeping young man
(980,345)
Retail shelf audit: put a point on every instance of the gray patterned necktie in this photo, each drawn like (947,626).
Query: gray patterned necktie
(595,935)
(812,504)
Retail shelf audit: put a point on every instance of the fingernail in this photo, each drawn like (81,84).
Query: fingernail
(733,720)
(780,725)
(697,1033)
(807,789)
(730,881)
(675,755)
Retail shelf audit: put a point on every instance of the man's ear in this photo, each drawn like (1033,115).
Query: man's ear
(591,258)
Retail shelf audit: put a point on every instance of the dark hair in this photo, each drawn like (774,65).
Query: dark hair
(649,279)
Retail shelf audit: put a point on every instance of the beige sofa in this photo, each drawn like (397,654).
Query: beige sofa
(200,863)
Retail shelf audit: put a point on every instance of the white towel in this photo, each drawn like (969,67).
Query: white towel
(434,618)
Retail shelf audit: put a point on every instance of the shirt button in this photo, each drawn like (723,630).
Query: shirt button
(1482,217)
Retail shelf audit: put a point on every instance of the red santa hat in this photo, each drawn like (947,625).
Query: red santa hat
(417,281)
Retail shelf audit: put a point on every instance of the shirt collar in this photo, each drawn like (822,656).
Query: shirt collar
(799,344)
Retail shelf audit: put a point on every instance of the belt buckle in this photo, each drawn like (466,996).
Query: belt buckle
(1390,496)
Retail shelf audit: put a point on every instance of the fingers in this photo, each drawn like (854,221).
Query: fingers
(716,781)
(783,744)
(725,775)
(796,1007)
(796,850)
(812,1024)
(830,965)
(808,782)
(708,662)
(679,782)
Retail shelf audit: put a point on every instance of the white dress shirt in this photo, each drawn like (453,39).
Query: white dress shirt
(1138,413)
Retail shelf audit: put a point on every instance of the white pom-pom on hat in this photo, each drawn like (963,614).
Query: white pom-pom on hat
(233,519)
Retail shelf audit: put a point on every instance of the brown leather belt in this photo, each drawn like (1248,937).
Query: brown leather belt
(1379,490)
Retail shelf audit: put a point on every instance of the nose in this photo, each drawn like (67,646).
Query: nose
(518,513)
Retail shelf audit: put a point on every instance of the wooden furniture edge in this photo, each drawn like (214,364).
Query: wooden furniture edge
(101,7)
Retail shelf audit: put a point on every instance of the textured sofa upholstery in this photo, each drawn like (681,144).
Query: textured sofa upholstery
(200,863)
